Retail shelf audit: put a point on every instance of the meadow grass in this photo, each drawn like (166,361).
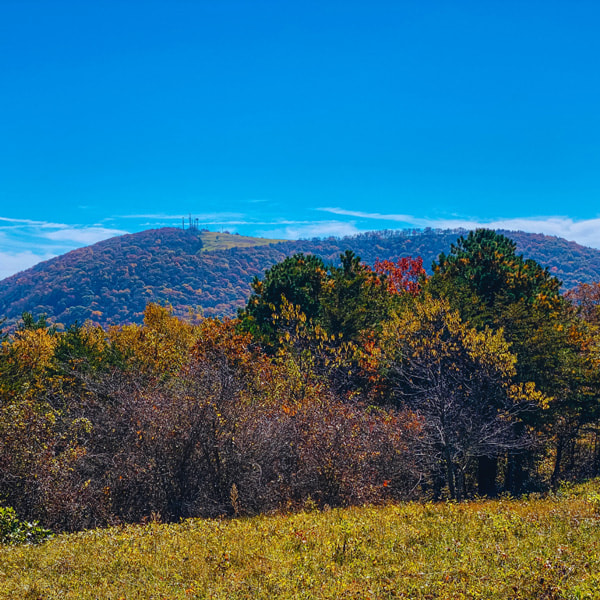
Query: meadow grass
(213,240)
(509,549)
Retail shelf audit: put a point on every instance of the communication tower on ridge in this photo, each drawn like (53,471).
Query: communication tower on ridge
(193,223)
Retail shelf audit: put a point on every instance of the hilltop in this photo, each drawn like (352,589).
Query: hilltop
(214,240)
(111,282)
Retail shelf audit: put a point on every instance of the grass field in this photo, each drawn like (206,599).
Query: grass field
(506,549)
(212,240)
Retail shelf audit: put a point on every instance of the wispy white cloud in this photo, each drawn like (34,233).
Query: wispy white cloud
(26,242)
(32,223)
(584,231)
(368,215)
(82,235)
(295,231)
(14,262)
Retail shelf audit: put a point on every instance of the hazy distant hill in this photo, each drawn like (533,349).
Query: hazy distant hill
(112,281)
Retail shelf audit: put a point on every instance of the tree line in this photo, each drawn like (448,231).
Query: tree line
(337,384)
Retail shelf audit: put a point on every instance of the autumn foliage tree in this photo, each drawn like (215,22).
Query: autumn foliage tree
(459,383)
(491,286)
(586,297)
(406,275)
(485,274)
(298,280)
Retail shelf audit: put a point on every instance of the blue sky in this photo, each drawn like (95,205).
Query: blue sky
(295,119)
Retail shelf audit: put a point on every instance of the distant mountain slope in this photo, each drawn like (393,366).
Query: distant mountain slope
(112,281)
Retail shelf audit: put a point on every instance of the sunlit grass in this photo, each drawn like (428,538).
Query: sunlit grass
(536,548)
(212,240)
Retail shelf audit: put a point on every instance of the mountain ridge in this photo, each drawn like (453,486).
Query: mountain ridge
(112,281)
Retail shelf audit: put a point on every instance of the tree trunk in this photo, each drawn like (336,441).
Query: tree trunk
(450,475)
(596,465)
(487,470)
(515,474)
(557,459)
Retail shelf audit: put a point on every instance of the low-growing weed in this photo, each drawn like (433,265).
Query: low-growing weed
(15,531)
(540,548)
(594,499)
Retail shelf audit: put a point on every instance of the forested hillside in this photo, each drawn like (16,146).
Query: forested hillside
(335,386)
(111,282)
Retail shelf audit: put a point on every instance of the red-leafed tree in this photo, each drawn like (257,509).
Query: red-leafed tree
(404,275)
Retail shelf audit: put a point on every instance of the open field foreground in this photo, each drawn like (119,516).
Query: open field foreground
(537,548)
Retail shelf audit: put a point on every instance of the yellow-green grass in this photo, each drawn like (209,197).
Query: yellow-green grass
(212,240)
(506,549)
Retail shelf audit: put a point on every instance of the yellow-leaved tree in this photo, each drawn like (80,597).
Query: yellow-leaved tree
(459,381)
(160,346)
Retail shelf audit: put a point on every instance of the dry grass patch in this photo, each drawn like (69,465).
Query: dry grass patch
(506,549)
(213,240)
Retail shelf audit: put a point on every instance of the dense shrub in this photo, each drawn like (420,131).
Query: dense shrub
(177,420)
